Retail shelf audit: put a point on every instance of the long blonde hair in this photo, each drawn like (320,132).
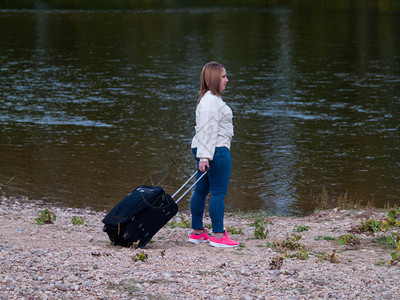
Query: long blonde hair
(210,79)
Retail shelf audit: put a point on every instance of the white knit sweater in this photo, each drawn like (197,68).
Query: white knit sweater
(214,127)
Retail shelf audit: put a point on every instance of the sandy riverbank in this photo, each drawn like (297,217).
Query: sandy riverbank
(66,261)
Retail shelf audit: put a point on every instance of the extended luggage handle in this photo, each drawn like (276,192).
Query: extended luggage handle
(187,191)
(183,195)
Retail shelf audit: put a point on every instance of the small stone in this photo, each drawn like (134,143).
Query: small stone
(61,287)
(245,297)
(75,287)
(274,272)
(387,295)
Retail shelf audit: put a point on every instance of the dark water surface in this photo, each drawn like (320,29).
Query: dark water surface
(94,103)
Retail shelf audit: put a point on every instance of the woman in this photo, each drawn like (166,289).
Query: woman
(210,146)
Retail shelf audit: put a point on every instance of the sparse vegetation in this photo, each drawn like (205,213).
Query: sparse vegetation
(395,255)
(276,262)
(140,256)
(78,220)
(325,238)
(301,254)
(260,228)
(301,228)
(291,242)
(46,217)
(371,225)
(291,251)
(233,230)
(184,222)
(332,258)
(324,201)
(390,221)
(348,239)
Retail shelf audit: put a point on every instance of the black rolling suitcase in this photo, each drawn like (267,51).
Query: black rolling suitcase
(141,214)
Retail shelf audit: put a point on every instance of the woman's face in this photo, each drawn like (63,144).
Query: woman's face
(223,81)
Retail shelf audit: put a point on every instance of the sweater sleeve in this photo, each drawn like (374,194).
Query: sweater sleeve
(206,131)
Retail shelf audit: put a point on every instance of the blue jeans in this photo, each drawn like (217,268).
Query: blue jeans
(215,181)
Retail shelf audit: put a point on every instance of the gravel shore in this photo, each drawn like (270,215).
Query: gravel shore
(67,261)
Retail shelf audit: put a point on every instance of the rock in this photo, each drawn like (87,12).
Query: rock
(61,287)
(387,295)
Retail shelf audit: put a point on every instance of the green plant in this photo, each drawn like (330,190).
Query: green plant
(78,220)
(140,256)
(300,228)
(332,258)
(232,230)
(184,222)
(393,239)
(381,225)
(301,254)
(394,213)
(325,238)
(380,263)
(396,255)
(389,222)
(260,228)
(291,242)
(241,246)
(370,225)
(348,239)
(46,217)
(11,179)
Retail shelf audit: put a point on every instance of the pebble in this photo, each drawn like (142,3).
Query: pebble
(61,287)
(388,295)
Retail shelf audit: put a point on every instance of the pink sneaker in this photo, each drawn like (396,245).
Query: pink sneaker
(223,242)
(199,238)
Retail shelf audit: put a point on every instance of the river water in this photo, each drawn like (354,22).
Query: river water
(94,103)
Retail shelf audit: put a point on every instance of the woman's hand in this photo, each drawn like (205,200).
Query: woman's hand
(203,165)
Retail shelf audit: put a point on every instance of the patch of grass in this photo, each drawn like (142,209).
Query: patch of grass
(301,228)
(183,223)
(395,255)
(241,246)
(233,230)
(393,239)
(323,201)
(301,255)
(380,263)
(394,212)
(372,225)
(78,220)
(332,258)
(271,245)
(325,238)
(348,239)
(46,217)
(125,286)
(389,240)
